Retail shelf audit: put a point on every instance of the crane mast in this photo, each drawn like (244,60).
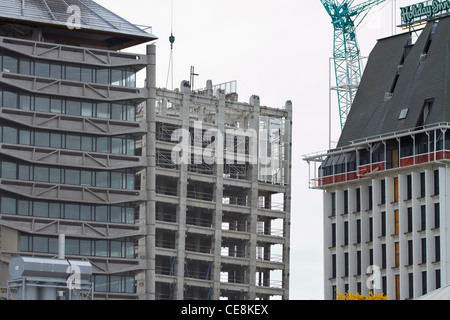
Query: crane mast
(346,53)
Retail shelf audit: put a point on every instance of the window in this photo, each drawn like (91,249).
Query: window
(426,109)
(116,111)
(24,137)
(437,248)
(25,102)
(422,184)
(72,211)
(25,66)
(436,182)
(10,64)
(131,79)
(73,73)
(10,99)
(40,209)
(55,71)
(423,218)
(73,107)
(41,139)
(437,216)
(9,170)
(9,135)
(101,213)
(86,109)
(86,74)
(410,220)
(41,174)
(102,110)
(56,106)
(86,143)
(42,104)
(72,176)
(55,140)
(8,205)
(116,77)
(55,175)
(424,250)
(42,69)
(410,252)
(383,223)
(73,142)
(102,76)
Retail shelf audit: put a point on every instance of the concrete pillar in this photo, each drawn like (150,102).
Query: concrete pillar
(253,124)
(150,153)
(218,190)
(182,193)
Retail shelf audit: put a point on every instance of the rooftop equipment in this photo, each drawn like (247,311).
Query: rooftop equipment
(50,279)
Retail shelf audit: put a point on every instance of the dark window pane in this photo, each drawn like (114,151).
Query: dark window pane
(8,205)
(86,109)
(40,209)
(86,74)
(42,104)
(86,143)
(116,78)
(73,73)
(101,179)
(41,139)
(41,174)
(9,135)
(116,111)
(40,244)
(56,106)
(10,99)
(9,64)
(55,71)
(42,69)
(72,246)
(9,170)
(24,137)
(55,210)
(73,142)
(23,207)
(101,248)
(73,107)
(25,66)
(55,175)
(101,213)
(72,176)
(55,140)
(102,110)
(25,102)
(103,76)
(72,211)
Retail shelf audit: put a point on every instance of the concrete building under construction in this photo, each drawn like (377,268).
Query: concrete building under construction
(169,194)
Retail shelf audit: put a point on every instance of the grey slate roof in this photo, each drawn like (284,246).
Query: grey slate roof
(421,78)
(93,16)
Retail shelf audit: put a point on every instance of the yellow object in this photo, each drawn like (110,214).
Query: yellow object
(358,296)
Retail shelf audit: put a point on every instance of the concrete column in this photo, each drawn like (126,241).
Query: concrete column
(150,153)
(253,124)
(287,203)
(182,193)
(218,194)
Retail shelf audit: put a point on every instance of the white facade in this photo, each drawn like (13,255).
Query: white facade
(386,222)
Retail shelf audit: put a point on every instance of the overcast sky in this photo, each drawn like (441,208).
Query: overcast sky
(280,51)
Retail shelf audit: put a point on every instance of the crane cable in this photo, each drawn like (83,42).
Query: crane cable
(172,41)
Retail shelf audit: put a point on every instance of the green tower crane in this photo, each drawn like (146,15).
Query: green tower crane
(347,58)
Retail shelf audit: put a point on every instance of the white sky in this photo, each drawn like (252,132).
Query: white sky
(280,51)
